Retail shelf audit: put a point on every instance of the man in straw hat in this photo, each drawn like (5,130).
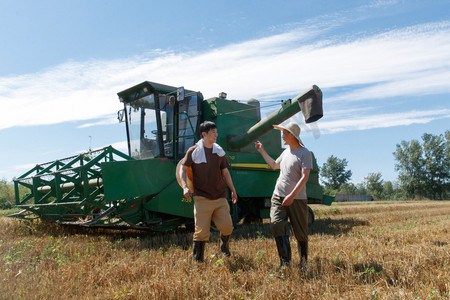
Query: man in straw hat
(289,198)
(210,174)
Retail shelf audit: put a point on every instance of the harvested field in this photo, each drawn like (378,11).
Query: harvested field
(368,250)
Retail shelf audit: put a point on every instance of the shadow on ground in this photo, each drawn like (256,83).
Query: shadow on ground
(335,226)
(183,237)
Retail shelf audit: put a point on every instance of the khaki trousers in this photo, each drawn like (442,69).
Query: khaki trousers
(297,213)
(205,211)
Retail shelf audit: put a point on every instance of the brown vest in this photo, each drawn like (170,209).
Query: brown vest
(207,177)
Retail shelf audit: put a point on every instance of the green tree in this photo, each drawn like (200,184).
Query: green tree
(361,189)
(436,170)
(334,173)
(348,188)
(424,169)
(6,194)
(410,167)
(374,185)
(388,190)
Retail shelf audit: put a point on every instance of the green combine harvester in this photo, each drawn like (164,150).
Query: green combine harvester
(139,190)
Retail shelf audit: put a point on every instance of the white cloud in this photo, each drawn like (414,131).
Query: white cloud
(403,62)
(428,82)
(380,3)
(383,120)
(107,121)
(19,170)
(121,146)
(24,166)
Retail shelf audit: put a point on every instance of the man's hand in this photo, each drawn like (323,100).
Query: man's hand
(226,175)
(269,160)
(288,200)
(259,146)
(234,197)
(187,193)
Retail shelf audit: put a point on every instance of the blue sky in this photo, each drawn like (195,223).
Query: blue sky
(383,67)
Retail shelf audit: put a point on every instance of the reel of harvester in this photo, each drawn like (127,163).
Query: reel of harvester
(68,190)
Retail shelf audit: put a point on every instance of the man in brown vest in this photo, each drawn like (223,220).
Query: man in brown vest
(210,178)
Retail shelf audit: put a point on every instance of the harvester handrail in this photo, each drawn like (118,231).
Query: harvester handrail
(190,124)
(246,109)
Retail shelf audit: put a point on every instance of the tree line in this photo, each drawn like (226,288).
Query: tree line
(423,167)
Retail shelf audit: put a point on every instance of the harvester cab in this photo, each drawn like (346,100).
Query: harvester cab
(108,188)
(160,120)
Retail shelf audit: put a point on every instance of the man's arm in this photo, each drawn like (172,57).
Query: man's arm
(269,160)
(183,176)
(289,199)
(226,175)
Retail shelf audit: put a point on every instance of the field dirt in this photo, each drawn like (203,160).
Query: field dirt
(365,250)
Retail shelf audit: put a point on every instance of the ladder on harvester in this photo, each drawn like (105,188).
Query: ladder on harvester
(67,190)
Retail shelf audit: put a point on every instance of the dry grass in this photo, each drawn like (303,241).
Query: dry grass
(379,250)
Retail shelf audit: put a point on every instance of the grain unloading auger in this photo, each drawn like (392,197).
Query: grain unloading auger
(106,187)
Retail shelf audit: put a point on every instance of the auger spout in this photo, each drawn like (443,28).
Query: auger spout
(309,102)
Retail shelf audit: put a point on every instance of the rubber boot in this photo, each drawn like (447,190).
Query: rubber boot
(224,248)
(284,250)
(199,250)
(303,253)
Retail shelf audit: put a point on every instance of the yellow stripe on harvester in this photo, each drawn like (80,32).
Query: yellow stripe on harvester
(252,166)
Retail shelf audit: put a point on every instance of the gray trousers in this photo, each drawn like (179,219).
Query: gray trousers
(297,213)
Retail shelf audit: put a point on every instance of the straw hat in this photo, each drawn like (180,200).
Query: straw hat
(293,128)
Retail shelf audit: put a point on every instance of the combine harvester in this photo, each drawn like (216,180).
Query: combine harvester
(139,190)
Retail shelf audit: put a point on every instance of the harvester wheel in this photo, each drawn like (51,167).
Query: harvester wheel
(190,226)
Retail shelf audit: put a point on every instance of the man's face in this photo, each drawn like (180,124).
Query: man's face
(287,137)
(211,135)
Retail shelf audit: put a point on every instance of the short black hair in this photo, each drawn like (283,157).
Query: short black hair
(207,126)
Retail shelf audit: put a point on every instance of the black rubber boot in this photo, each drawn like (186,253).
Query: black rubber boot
(284,250)
(199,250)
(303,253)
(224,248)
(303,250)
